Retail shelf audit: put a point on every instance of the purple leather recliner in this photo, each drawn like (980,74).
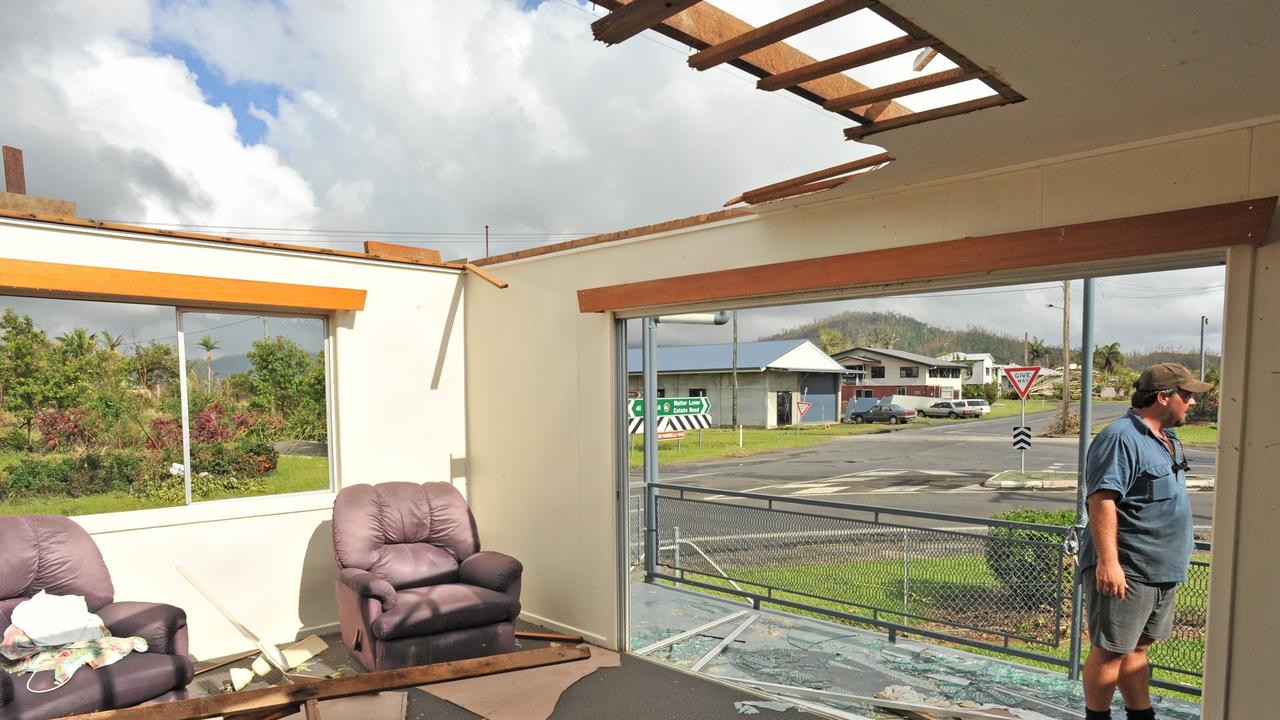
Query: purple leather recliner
(413,586)
(46,552)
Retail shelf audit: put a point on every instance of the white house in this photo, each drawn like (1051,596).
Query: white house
(881,372)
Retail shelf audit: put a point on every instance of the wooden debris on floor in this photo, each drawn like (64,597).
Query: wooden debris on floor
(294,655)
(525,695)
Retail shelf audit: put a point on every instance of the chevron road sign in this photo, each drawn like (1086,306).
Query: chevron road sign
(1021,437)
(674,415)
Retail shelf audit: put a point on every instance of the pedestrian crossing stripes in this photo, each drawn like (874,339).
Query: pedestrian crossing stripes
(670,423)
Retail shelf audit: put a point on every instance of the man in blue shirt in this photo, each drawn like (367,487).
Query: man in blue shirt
(1139,541)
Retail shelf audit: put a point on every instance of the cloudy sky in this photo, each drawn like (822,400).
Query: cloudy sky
(331,122)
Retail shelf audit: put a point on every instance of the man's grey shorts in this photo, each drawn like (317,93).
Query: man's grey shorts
(1116,624)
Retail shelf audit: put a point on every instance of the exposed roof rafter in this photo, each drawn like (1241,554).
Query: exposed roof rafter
(906,87)
(809,182)
(847,61)
(780,29)
(635,18)
(860,131)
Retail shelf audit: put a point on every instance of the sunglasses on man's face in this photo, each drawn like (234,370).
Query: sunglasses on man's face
(1184,394)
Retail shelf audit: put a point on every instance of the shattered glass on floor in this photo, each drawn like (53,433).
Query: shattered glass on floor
(803,652)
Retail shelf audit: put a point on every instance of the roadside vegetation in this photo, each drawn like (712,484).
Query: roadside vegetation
(89,423)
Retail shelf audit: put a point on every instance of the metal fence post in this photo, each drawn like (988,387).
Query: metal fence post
(675,535)
(906,577)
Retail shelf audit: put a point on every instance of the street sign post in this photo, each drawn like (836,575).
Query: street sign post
(803,406)
(674,415)
(1021,378)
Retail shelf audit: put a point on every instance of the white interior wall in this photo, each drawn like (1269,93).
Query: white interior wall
(398,380)
(558,468)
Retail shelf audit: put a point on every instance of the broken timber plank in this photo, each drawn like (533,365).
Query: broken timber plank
(401,252)
(286,696)
(754,196)
(471,268)
(906,87)
(847,61)
(551,637)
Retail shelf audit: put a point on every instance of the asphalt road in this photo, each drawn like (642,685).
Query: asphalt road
(938,468)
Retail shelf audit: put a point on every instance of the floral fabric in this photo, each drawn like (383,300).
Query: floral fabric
(23,655)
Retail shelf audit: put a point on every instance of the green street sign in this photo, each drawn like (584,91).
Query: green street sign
(671,406)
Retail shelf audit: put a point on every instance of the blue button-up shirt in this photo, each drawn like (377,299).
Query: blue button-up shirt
(1153,513)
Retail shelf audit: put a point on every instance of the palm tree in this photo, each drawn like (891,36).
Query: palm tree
(78,342)
(1107,358)
(1036,350)
(112,342)
(209,345)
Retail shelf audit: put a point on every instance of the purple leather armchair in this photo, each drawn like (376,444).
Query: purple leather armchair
(413,585)
(57,555)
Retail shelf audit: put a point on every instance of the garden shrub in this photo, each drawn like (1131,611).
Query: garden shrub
(158,484)
(37,476)
(70,475)
(1033,574)
(242,458)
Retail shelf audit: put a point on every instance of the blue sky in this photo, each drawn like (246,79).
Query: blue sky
(238,96)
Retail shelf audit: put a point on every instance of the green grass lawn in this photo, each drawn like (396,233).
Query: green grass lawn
(292,474)
(723,442)
(961,588)
(1199,434)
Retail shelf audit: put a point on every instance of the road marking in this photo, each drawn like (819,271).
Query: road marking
(898,489)
(824,490)
(944,473)
(883,473)
(686,477)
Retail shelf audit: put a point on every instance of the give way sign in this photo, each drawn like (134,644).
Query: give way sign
(1021,378)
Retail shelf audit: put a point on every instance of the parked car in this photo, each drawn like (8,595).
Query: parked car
(892,414)
(981,405)
(952,409)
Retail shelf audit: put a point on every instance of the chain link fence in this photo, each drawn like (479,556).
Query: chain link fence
(999,585)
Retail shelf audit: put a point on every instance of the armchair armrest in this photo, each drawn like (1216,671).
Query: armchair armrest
(6,688)
(161,625)
(366,584)
(491,570)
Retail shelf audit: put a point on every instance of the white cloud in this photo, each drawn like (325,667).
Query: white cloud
(444,116)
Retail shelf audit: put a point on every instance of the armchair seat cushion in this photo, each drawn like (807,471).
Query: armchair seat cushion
(137,678)
(440,608)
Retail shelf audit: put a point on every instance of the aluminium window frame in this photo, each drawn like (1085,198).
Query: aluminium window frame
(329,380)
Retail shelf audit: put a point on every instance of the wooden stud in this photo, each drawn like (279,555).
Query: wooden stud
(805,189)
(1204,228)
(15,178)
(284,696)
(906,87)
(753,196)
(780,29)
(668,226)
(550,637)
(861,131)
(847,61)
(392,251)
(635,18)
(82,282)
(224,239)
(471,268)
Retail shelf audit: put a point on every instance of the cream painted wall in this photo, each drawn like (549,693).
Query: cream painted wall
(540,429)
(398,383)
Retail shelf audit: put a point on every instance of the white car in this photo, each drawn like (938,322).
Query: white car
(980,405)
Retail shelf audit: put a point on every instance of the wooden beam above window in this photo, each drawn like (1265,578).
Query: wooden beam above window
(83,282)
(1204,228)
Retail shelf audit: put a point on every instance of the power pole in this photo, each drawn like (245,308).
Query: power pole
(1203,321)
(486,241)
(1066,353)
(734,419)
(1025,357)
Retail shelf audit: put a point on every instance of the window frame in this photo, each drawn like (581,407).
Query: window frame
(329,416)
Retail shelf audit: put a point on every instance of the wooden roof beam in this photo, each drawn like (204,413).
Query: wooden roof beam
(705,25)
(636,17)
(15,178)
(763,194)
(860,131)
(847,61)
(906,87)
(780,29)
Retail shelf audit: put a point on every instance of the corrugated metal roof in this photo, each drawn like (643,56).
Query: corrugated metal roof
(713,358)
(910,357)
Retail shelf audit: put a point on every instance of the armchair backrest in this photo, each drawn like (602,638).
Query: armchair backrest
(408,534)
(51,553)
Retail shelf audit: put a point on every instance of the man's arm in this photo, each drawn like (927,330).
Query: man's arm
(1102,530)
